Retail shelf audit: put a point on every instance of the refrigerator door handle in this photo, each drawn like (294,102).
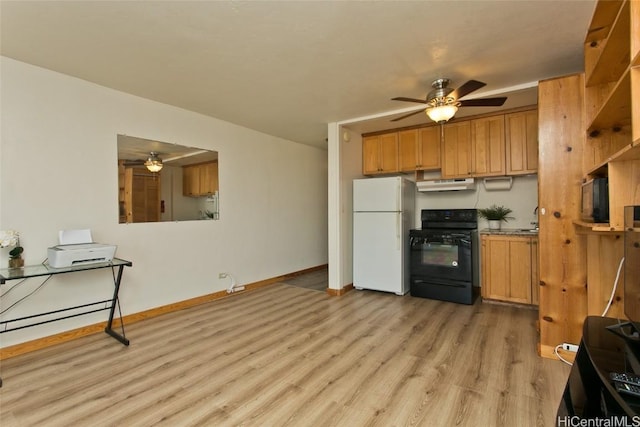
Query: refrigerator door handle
(398,229)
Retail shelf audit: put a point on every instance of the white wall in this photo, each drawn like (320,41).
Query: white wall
(58,171)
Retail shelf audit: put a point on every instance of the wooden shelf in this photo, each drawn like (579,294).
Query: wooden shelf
(616,110)
(600,227)
(612,56)
(635,62)
(629,152)
(603,18)
(634,12)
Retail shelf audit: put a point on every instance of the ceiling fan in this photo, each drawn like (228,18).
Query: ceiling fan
(443,101)
(153,162)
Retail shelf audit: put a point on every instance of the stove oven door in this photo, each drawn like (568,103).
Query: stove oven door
(441,265)
(442,255)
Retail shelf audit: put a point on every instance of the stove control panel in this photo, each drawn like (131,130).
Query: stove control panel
(449,216)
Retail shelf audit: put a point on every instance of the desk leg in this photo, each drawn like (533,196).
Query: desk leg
(109,329)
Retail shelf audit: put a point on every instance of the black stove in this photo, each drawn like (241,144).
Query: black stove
(444,255)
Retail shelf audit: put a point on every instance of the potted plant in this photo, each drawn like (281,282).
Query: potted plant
(15,257)
(495,215)
(12,238)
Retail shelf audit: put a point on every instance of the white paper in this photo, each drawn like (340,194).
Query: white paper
(74,237)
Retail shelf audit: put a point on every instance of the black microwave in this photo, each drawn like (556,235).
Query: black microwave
(595,200)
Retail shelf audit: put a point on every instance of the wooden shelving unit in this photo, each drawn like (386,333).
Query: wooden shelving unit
(612,95)
(616,109)
(579,259)
(607,58)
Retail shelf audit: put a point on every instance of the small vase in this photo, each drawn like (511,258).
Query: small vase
(16,262)
(494,224)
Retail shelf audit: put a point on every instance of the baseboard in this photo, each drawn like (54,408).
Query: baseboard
(40,343)
(339,292)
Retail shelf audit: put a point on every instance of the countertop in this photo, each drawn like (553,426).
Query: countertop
(511,231)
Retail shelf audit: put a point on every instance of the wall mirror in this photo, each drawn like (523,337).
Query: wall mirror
(160,181)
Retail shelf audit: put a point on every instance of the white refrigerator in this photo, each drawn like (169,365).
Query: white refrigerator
(383,214)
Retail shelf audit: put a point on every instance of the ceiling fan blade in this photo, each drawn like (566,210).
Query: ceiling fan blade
(483,102)
(467,88)
(402,98)
(407,115)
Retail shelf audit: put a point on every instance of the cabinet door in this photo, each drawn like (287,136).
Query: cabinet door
(208,178)
(370,155)
(191,181)
(488,146)
(522,142)
(507,269)
(389,153)
(520,270)
(495,268)
(408,150)
(429,148)
(456,150)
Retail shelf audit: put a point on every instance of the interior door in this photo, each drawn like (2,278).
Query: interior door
(142,195)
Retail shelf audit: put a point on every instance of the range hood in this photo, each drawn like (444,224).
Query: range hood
(446,184)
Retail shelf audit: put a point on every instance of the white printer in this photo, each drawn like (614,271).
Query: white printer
(77,248)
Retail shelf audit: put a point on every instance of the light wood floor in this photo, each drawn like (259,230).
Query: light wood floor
(288,356)
(317,280)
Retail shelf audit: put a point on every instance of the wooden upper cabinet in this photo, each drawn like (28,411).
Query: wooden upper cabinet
(380,154)
(456,150)
(488,146)
(191,181)
(522,142)
(209,178)
(200,180)
(408,148)
(419,149)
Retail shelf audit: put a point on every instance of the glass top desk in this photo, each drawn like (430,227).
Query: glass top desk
(45,271)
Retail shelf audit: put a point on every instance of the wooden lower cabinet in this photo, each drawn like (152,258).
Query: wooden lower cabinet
(510,268)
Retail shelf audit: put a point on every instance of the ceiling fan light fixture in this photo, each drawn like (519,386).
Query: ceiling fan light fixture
(153,163)
(442,113)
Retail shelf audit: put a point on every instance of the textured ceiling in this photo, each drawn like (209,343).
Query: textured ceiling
(289,68)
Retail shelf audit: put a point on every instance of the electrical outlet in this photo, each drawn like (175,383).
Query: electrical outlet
(570,347)
(222,275)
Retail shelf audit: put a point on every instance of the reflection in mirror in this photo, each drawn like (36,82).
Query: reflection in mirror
(158,181)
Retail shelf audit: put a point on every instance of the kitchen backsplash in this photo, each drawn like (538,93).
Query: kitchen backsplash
(522,198)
